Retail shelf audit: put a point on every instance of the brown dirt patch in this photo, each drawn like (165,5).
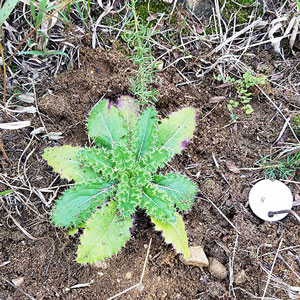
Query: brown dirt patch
(48,263)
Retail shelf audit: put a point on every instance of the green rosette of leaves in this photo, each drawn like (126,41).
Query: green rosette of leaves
(117,174)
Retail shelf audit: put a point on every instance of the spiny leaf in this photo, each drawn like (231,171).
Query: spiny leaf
(105,234)
(147,131)
(77,204)
(127,198)
(122,157)
(174,234)
(66,162)
(141,177)
(74,230)
(106,125)
(99,159)
(155,159)
(129,110)
(157,204)
(175,132)
(178,188)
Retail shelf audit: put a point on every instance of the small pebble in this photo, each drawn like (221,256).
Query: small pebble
(128,275)
(240,277)
(18,281)
(146,246)
(160,65)
(217,269)
(101,265)
(197,257)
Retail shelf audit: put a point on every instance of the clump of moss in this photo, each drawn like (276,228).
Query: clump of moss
(243,8)
(296,123)
(155,6)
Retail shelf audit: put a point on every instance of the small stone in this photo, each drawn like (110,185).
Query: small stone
(18,281)
(160,65)
(101,265)
(217,269)
(161,295)
(128,275)
(146,246)
(100,274)
(240,277)
(216,290)
(200,7)
(197,257)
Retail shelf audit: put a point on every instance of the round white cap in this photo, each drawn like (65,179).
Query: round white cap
(267,195)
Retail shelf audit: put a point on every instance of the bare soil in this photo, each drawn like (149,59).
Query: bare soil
(46,260)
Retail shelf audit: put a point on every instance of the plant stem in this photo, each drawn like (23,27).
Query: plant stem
(139,42)
(4,83)
(2,149)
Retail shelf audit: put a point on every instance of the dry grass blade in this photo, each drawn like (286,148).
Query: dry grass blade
(14,125)
(258,23)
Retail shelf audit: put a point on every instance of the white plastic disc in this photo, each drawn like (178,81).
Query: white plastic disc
(268,195)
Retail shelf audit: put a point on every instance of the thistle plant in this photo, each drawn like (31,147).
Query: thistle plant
(118,174)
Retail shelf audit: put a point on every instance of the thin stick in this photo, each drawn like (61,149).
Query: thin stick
(145,263)
(221,213)
(270,274)
(284,211)
(141,278)
(4,84)
(17,288)
(125,291)
(17,223)
(2,149)
(278,109)
(231,264)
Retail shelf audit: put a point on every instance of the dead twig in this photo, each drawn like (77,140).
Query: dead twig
(17,288)
(220,212)
(139,285)
(2,149)
(284,211)
(271,271)
(18,224)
